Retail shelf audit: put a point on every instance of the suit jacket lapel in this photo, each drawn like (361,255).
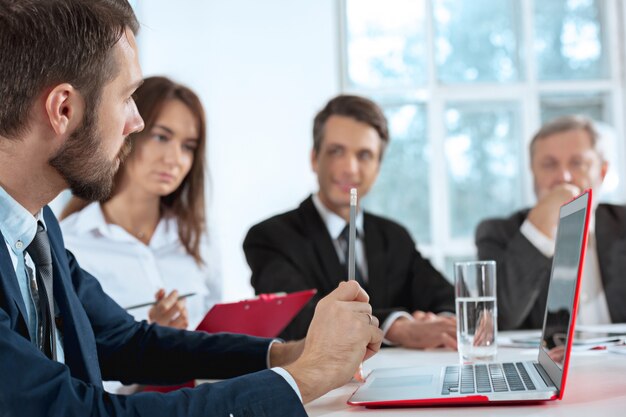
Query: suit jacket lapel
(604,238)
(611,248)
(78,340)
(375,254)
(10,286)
(330,269)
(608,234)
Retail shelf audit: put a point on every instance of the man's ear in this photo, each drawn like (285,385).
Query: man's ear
(314,160)
(604,168)
(64,108)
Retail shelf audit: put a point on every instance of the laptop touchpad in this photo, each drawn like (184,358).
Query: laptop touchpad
(402,381)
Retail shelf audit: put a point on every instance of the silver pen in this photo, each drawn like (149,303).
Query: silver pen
(360,375)
(352,235)
(180,297)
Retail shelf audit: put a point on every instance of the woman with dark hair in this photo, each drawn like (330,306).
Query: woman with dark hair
(147,240)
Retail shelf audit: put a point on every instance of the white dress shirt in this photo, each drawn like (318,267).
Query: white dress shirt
(335,225)
(131,272)
(592,306)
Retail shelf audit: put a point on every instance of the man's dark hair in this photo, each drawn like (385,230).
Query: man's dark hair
(355,107)
(44,43)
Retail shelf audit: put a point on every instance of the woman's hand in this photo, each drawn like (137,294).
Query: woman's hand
(169,310)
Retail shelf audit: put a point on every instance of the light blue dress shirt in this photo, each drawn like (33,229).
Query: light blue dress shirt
(19,227)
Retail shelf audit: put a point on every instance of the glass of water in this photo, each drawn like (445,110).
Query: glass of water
(476,310)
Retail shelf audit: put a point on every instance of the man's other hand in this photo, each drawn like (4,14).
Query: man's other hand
(342,334)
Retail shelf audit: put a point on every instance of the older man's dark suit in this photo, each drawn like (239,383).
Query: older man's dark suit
(102,341)
(523,272)
(294,251)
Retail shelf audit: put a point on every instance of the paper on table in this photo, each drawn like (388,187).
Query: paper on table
(586,337)
(617,349)
(520,339)
(610,328)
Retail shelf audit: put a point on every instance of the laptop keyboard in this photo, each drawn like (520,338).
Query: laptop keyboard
(484,378)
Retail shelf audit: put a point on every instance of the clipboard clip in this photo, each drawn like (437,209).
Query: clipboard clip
(271,296)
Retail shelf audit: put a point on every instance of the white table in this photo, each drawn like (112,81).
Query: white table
(596,387)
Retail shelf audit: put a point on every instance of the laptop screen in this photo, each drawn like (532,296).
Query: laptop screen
(563,282)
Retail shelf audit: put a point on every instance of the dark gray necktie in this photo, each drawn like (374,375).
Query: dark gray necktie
(39,251)
(344,239)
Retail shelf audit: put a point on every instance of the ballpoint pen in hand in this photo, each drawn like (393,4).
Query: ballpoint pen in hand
(151,303)
(352,236)
(359,376)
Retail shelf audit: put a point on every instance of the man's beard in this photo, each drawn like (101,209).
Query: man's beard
(82,162)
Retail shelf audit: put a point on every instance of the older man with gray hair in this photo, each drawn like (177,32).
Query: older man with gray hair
(567,156)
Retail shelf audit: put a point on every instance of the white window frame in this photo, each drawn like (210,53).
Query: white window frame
(527,92)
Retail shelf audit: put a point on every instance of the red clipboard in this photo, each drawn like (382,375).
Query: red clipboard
(264,316)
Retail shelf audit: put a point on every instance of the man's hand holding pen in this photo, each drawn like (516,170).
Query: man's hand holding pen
(343,333)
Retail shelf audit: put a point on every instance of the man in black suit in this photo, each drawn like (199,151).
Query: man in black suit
(305,248)
(567,156)
(67,75)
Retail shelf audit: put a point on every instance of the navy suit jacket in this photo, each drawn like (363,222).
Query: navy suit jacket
(102,341)
(294,251)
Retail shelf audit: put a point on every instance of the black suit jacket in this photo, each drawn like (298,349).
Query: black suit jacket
(101,340)
(523,273)
(294,251)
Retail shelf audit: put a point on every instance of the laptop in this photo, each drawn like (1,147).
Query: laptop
(510,382)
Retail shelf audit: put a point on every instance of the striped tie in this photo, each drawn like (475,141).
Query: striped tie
(39,251)
(343,238)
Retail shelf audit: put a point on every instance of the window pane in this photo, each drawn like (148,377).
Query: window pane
(555,105)
(568,40)
(449,265)
(386,43)
(402,190)
(477,40)
(482,148)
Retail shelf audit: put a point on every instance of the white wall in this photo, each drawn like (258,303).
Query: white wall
(262,69)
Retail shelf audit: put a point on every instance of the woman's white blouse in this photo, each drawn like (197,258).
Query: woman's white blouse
(131,272)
